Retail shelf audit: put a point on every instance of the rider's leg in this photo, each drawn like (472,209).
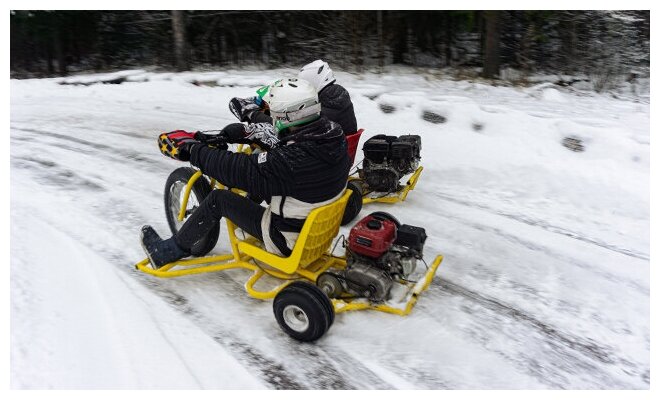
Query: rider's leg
(243,212)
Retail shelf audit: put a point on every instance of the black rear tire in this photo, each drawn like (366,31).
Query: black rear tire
(354,205)
(301,310)
(174,190)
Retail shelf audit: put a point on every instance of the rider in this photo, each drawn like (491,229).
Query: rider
(336,104)
(307,169)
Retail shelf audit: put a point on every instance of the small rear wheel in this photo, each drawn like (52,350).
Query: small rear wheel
(303,311)
(175,188)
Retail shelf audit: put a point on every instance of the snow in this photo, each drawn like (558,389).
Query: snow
(91,327)
(545,282)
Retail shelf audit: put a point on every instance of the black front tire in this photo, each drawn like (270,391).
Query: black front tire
(303,311)
(174,190)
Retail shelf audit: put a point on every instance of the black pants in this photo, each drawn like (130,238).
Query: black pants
(242,211)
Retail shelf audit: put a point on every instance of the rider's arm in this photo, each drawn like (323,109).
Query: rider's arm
(263,175)
(261,134)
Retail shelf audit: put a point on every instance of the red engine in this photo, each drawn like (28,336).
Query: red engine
(380,252)
(372,237)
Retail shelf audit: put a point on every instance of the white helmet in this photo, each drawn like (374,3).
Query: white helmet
(318,73)
(292,102)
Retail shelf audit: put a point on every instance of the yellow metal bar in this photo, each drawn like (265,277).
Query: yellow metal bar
(197,261)
(389,200)
(233,240)
(167,271)
(257,294)
(186,194)
(411,183)
(400,195)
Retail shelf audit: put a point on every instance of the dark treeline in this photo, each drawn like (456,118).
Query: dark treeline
(602,43)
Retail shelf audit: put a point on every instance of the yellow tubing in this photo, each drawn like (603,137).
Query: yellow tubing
(186,194)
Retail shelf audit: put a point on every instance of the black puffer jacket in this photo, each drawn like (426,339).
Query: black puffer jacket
(310,170)
(336,105)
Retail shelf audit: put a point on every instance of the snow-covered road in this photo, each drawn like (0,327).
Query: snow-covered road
(545,282)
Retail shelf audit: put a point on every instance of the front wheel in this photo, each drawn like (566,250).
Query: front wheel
(303,311)
(175,189)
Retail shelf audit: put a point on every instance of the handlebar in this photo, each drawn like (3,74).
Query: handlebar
(211,139)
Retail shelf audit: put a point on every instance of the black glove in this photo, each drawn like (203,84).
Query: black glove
(234,133)
(243,108)
(214,141)
(177,144)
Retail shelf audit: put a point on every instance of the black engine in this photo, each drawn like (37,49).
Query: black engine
(387,159)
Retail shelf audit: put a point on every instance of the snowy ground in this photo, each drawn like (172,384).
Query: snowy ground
(545,282)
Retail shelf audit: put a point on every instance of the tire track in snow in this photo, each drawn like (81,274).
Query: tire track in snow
(309,358)
(114,154)
(269,370)
(546,251)
(544,225)
(570,352)
(52,174)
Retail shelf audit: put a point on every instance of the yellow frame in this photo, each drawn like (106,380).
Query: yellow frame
(245,254)
(398,196)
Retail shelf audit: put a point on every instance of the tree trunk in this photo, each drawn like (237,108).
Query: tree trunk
(491,45)
(180,43)
(449,39)
(59,51)
(381,49)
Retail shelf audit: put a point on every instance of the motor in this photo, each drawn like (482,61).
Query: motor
(387,159)
(380,252)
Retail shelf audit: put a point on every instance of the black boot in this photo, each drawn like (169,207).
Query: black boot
(159,251)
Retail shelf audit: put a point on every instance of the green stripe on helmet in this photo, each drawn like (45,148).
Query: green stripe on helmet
(281,125)
(261,92)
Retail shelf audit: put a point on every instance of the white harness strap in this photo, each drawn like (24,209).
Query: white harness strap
(292,208)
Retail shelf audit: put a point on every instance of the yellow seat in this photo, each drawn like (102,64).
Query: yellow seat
(316,236)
